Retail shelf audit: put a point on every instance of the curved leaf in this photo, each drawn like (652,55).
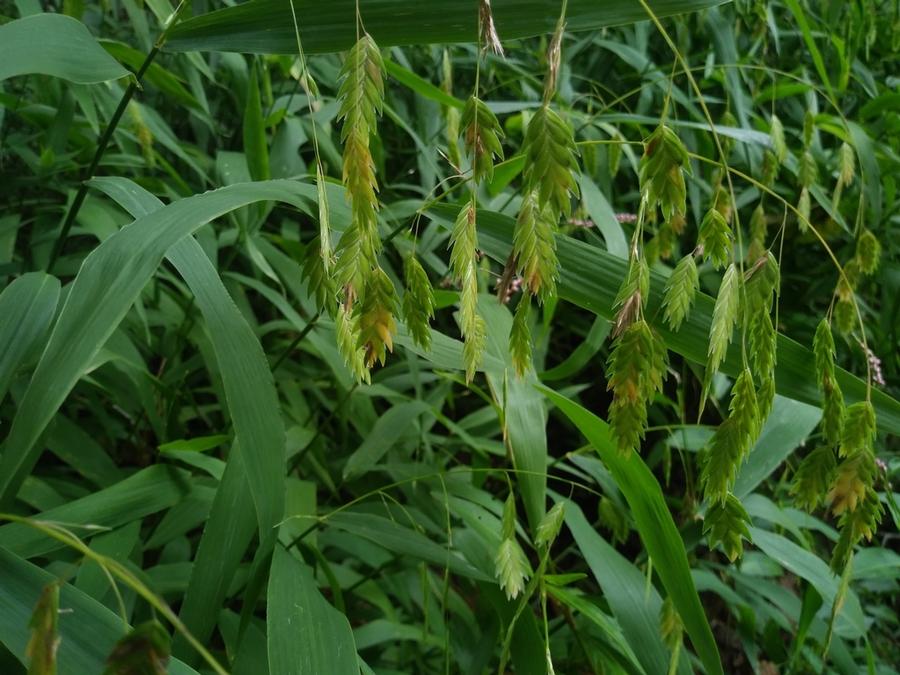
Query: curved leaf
(57,45)
(267,26)
(655,524)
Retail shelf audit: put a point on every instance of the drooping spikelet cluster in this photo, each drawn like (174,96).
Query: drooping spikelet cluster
(549,183)
(844,480)
(348,282)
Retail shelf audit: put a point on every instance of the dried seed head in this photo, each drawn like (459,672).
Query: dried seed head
(489,38)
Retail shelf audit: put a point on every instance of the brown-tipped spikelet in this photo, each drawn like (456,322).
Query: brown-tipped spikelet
(636,369)
(376,317)
(662,172)
(418,303)
(534,248)
(549,149)
(481,134)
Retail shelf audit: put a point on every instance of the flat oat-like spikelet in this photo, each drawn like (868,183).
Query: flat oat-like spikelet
(636,368)
(681,289)
(534,248)
(662,172)
(418,302)
(549,149)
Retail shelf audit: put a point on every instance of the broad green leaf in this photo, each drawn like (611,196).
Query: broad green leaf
(619,649)
(624,587)
(109,282)
(256,148)
(603,216)
(525,418)
(402,540)
(27,306)
(253,403)
(590,278)
(306,635)
(267,26)
(56,45)
(786,427)
(148,491)
(88,630)
(655,524)
(808,566)
(384,434)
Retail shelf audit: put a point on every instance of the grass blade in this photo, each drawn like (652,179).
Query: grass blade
(56,45)
(267,27)
(655,524)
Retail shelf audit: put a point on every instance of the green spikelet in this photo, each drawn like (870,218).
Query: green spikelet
(548,528)
(44,639)
(681,289)
(858,433)
(847,170)
(636,369)
(854,476)
(347,342)
(804,209)
(732,440)
(520,337)
(776,134)
(354,262)
(726,525)
(809,126)
(632,295)
(418,303)
(324,220)
(321,285)
(715,238)
(814,477)
(511,565)
(376,318)
(534,248)
(808,171)
(761,281)
(725,315)
(481,135)
(511,568)
(361,97)
(856,525)
(758,226)
(662,172)
(763,342)
(670,625)
(451,114)
(550,166)
(361,93)
(868,252)
(765,395)
(845,315)
(770,167)
(143,651)
(465,268)
(611,517)
(833,398)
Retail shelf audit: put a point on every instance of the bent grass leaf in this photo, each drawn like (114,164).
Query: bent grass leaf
(88,631)
(27,306)
(55,45)
(306,634)
(654,523)
(267,27)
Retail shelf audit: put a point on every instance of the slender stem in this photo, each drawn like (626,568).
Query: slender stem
(80,196)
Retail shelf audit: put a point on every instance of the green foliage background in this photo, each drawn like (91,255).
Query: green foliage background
(198,474)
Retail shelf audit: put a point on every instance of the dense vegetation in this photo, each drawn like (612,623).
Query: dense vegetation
(387,336)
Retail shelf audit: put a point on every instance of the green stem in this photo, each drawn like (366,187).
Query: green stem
(102,144)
